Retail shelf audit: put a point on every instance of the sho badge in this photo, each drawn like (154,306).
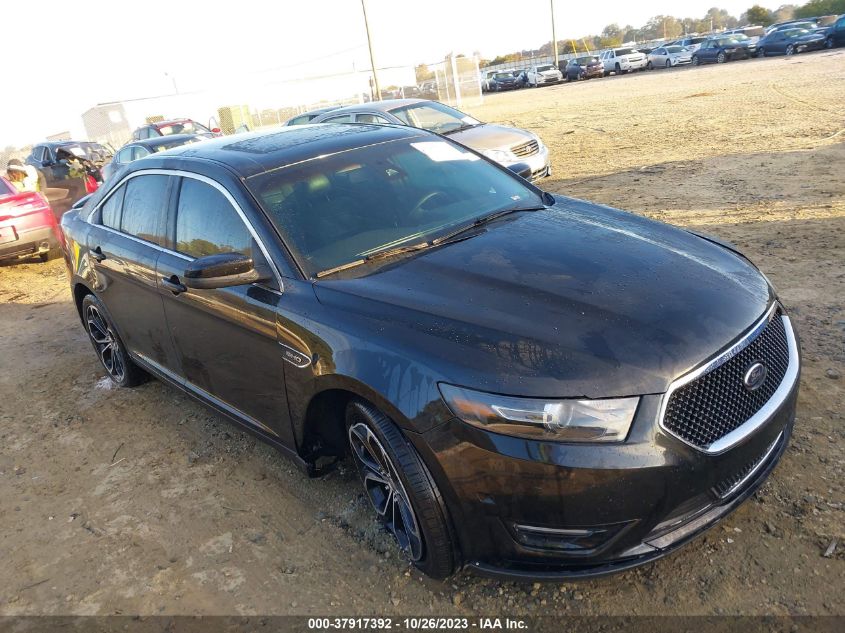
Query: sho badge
(755,376)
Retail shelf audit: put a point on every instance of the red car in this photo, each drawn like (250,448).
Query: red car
(174,126)
(27,224)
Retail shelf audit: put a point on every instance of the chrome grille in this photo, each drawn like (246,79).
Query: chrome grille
(706,409)
(526,149)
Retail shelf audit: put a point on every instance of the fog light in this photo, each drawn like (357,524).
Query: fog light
(570,540)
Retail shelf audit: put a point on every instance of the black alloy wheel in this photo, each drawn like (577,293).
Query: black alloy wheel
(400,489)
(107,344)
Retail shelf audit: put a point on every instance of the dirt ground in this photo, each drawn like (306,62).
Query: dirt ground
(144,502)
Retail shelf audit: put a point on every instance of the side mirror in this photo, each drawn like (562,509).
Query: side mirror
(221,271)
(521,169)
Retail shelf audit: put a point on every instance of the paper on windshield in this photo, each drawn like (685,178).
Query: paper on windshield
(440,151)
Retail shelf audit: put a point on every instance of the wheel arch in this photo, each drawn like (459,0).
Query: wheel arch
(79,292)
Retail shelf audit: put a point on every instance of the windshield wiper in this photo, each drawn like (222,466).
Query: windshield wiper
(388,252)
(463,127)
(484,219)
(443,239)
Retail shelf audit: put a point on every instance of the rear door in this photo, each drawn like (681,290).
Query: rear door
(226,338)
(128,234)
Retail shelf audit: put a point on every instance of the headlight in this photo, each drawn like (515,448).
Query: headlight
(499,155)
(560,420)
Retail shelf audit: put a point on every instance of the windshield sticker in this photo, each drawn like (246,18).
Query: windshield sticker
(440,151)
(77,151)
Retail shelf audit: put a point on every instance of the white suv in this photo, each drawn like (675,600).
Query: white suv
(543,75)
(622,60)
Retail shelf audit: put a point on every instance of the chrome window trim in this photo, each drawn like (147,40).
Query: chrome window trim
(201,178)
(743,431)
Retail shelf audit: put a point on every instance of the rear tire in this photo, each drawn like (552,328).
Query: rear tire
(401,489)
(107,343)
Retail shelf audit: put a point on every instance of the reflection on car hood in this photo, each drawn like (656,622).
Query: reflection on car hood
(491,136)
(576,301)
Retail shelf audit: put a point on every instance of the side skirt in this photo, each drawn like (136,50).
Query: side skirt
(252,426)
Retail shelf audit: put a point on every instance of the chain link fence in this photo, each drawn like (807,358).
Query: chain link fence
(259,102)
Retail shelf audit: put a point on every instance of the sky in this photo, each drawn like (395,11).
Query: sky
(75,56)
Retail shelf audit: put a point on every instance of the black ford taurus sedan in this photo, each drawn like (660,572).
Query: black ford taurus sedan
(530,385)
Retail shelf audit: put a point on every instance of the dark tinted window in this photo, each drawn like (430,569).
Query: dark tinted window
(110,211)
(207,223)
(145,207)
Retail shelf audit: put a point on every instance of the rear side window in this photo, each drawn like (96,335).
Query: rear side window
(341,118)
(110,211)
(207,223)
(145,208)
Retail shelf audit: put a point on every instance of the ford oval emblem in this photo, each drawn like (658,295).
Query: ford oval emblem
(755,376)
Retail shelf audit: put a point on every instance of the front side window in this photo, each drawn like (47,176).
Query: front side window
(207,223)
(341,208)
(145,208)
(434,116)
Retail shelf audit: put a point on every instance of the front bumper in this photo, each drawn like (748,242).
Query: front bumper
(650,495)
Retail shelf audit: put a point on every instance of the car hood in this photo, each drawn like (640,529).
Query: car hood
(491,136)
(579,300)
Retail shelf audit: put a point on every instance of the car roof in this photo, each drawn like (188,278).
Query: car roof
(164,140)
(253,153)
(170,122)
(55,144)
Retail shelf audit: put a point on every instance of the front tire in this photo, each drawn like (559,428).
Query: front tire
(790,50)
(828,43)
(761,52)
(696,61)
(107,343)
(668,63)
(721,58)
(401,489)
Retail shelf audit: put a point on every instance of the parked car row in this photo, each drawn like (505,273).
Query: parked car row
(786,38)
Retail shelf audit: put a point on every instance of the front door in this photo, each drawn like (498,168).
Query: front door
(226,338)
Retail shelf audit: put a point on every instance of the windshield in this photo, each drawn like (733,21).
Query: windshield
(583,61)
(542,69)
(675,49)
(434,116)
(183,127)
(503,76)
(341,208)
(624,51)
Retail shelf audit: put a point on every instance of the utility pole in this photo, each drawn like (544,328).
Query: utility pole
(370,46)
(554,36)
